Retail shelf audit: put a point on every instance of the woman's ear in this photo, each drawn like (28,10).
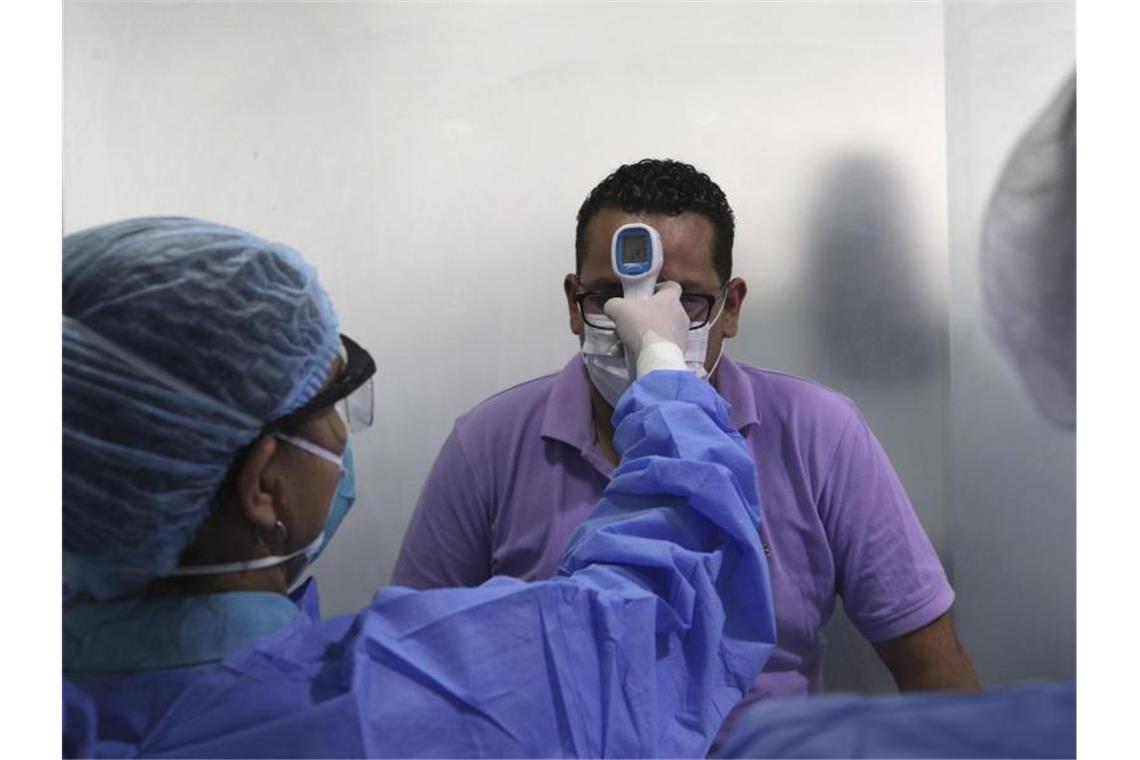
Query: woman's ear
(255,488)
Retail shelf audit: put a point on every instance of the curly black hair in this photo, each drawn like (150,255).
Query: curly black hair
(662,186)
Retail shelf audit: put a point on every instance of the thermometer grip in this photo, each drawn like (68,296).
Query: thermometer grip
(638,290)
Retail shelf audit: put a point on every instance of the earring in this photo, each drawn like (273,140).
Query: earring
(279,537)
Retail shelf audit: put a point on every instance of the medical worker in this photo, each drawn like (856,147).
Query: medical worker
(209,404)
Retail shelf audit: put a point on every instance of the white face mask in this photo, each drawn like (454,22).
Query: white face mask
(604,356)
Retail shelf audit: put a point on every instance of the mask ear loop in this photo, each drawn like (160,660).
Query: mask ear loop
(719,314)
(312,448)
(707,374)
(719,356)
(253,564)
(723,303)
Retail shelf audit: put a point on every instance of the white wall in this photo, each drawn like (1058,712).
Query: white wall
(1013,517)
(430,159)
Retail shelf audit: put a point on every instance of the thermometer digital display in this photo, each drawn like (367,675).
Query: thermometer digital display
(637,258)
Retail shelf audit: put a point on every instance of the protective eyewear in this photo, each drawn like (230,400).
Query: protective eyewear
(350,394)
(699,307)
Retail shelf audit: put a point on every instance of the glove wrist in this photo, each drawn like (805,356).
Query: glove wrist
(660,355)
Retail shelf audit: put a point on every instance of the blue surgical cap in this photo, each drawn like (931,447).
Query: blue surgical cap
(181,339)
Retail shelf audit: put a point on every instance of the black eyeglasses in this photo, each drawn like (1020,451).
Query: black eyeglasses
(350,393)
(698,306)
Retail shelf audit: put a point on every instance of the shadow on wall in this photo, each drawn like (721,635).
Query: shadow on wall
(872,320)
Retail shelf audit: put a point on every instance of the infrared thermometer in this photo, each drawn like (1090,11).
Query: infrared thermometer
(637,258)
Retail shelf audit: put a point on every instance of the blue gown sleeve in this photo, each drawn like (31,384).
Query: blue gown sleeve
(657,622)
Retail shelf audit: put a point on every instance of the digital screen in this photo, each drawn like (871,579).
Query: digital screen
(635,250)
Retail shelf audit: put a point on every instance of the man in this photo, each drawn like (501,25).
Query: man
(521,470)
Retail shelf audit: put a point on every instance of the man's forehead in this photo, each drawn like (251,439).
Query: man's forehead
(688,240)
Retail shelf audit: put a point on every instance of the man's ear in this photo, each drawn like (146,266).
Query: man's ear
(733,299)
(570,285)
(254,485)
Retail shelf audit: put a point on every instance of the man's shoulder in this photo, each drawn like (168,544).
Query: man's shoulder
(510,408)
(785,396)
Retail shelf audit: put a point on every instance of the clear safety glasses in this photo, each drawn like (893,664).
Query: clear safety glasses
(350,394)
(356,410)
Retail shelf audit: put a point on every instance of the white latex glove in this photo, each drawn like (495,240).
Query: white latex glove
(654,331)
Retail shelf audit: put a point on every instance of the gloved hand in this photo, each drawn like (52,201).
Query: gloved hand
(655,331)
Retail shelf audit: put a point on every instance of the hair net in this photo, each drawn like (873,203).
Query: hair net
(181,338)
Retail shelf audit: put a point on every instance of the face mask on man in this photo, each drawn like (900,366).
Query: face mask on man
(604,356)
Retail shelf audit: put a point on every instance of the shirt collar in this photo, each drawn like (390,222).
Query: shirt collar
(172,632)
(735,387)
(569,416)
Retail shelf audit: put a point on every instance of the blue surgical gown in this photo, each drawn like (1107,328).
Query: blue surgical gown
(1030,720)
(655,626)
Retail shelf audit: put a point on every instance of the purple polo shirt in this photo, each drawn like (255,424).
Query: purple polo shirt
(521,470)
